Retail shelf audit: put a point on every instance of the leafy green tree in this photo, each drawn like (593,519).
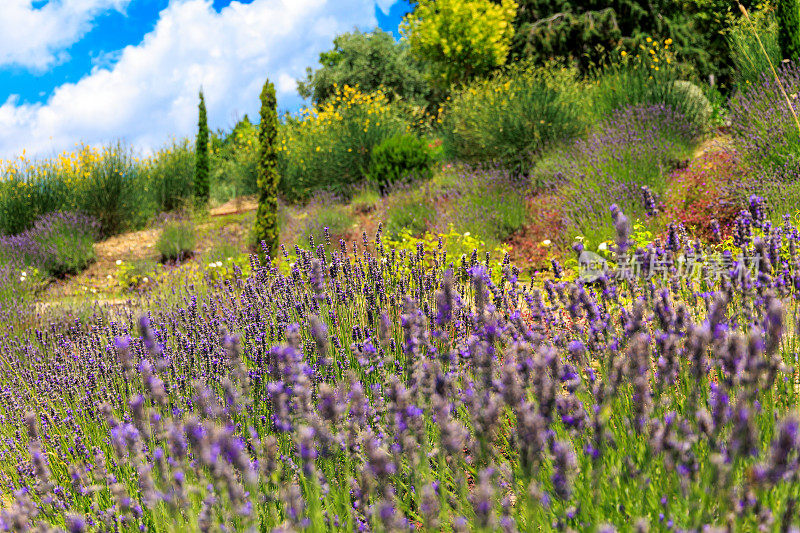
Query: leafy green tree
(201,185)
(268,178)
(234,160)
(460,39)
(370,61)
(788,14)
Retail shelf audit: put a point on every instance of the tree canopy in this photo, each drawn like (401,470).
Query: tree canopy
(370,61)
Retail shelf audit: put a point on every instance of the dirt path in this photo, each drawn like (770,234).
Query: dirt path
(99,279)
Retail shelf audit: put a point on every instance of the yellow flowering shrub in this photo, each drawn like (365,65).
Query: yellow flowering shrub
(329,148)
(647,73)
(110,183)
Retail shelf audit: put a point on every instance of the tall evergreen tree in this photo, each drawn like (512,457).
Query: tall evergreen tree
(788,15)
(266,226)
(201,185)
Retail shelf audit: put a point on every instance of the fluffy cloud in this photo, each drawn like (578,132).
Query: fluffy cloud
(151,90)
(35,37)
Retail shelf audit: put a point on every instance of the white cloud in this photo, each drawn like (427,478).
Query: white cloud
(384,5)
(150,93)
(35,37)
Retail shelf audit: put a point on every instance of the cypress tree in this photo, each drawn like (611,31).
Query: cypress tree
(201,185)
(789,28)
(266,226)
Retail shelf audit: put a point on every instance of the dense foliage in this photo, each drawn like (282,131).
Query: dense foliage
(788,15)
(754,46)
(108,183)
(201,183)
(513,115)
(330,148)
(234,161)
(460,39)
(586,32)
(176,242)
(400,158)
(266,228)
(170,172)
(370,61)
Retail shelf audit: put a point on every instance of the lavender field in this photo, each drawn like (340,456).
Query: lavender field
(511,266)
(373,390)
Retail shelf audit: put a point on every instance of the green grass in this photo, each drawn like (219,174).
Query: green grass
(412,212)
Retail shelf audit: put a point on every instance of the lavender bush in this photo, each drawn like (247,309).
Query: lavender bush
(489,201)
(57,244)
(766,134)
(374,390)
(635,147)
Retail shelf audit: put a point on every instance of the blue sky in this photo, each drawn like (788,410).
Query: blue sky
(97,71)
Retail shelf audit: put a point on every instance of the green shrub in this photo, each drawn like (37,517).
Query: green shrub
(788,15)
(110,184)
(513,116)
(234,162)
(410,212)
(331,148)
(115,191)
(171,172)
(398,158)
(176,241)
(373,60)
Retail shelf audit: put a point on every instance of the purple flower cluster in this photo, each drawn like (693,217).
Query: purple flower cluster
(372,389)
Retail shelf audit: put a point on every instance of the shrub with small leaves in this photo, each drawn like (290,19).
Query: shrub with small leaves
(398,158)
